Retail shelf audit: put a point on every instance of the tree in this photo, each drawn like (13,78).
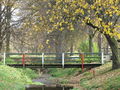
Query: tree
(35,13)
(6,10)
(101,15)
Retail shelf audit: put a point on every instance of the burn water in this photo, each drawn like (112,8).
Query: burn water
(48,88)
(48,84)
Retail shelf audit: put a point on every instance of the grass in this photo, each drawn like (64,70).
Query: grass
(15,79)
(63,72)
(105,79)
(29,72)
(65,81)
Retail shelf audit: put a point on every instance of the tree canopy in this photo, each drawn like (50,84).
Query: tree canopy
(102,15)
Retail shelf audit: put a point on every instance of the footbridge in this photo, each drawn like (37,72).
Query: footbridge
(52,60)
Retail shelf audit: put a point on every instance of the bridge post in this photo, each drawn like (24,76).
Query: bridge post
(63,60)
(23,60)
(82,58)
(4,58)
(102,57)
(42,60)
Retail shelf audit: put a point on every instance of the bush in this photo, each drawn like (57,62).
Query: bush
(10,61)
(84,46)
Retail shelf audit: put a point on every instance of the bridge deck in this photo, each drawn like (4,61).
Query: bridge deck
(54,65)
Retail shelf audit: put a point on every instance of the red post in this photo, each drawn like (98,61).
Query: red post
(82,58)
(23,60)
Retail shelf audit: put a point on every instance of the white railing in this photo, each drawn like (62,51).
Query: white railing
(102,57)
(43,60)
(42,57)
(63,60)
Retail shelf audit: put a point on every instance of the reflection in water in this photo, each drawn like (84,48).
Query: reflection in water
(49,88)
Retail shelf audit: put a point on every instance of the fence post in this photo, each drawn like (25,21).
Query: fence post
(102,57)
(63,60)
(82,58)
(4,58)
(42,60)
(63,88)
(23,60)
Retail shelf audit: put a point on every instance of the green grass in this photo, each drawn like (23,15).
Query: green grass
(29,72)
(15,79)
(105,79)
(112,83)
(63,72)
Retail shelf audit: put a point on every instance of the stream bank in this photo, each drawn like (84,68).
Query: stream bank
(61,81)
(49,83)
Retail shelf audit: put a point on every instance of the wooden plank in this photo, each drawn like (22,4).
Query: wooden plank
(54,65)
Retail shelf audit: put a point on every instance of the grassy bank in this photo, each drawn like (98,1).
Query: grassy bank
(104,78)
(64,72)
(15,79)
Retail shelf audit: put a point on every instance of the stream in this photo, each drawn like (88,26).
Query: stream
(49,84)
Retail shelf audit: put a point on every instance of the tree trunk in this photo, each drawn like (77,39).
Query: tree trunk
(58,52)
(107,48)
(1,43)
(0,28)
(8,42)
(100,42)
(90,43)
(8,33)
(115,51)
(71,49)
(58,45)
